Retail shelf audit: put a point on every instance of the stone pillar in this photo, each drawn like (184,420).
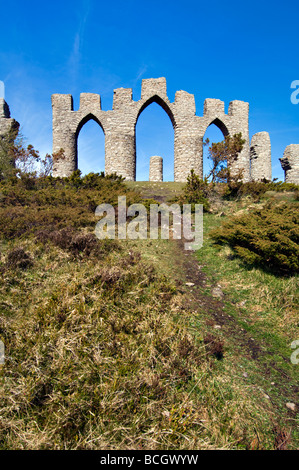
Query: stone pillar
(290,163)
(188,153)
(260,157)
(120,145)
(156,169)
(63,137)
(238,112)
(7,125)
(187,139)
(120,150)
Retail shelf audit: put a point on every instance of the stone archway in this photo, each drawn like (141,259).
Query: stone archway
(168,120)
(81,126)
(215,132)
(120,122)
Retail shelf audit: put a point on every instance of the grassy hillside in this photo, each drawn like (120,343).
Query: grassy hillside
(129,344)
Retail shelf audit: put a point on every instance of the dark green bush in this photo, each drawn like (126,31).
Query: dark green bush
(266,237)
(196,191)
(256,189)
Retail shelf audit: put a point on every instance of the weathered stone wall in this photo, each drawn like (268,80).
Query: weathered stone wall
(260,157)
(290,163)
(156,169)
(119,126)
(234,122)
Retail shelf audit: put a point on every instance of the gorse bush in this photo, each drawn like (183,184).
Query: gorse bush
(196,191)
(267,237)
(256,189)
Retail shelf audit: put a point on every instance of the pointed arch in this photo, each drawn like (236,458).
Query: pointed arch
(157,138)
(220,124)
(213,132)
(94,153)
(85,119)
(161,102)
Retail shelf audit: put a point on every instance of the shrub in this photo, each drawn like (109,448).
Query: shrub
(18,259)
(223,154)
(196,191)
(78,242)
(256,189)
(29,205)
(266,237)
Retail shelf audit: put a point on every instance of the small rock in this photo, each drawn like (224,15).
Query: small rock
(291,406)
(217,292)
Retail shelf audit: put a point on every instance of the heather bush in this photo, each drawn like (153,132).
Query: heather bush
(78,243)
(18,258)
(29,205)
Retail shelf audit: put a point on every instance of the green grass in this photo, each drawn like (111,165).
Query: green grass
(266,308)
(164,191)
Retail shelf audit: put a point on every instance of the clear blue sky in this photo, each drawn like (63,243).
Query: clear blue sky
(226,50)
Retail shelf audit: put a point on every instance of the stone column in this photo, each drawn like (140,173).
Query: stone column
(120,152)
(8,127)
(120,143)
(188,153)
(156,169)
(260,157)
(63,137)
(187,139)
(290,163)
(238,113)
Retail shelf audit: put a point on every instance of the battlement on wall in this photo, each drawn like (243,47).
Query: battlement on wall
(122,97)
(215,107)
(62,102)
(90,101)
(238,108)
(119,126)
(153,86)
(65,102)
(185,103)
